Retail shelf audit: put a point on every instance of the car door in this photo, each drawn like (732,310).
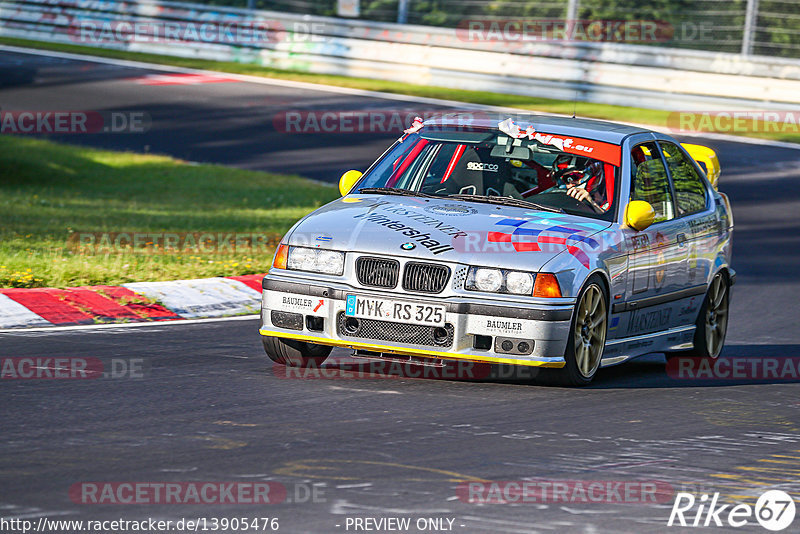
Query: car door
(658,255)
(692,204)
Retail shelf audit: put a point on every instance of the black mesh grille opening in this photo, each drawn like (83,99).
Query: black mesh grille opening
(425,277)
(411,334)
(292,321)
(377,272)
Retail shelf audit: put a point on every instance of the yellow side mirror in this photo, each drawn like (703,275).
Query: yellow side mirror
(348,180)
(706,158)
(639,215)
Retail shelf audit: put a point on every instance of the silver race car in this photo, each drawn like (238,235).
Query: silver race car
(534,241)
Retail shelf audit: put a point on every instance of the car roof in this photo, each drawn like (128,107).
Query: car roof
(609,132)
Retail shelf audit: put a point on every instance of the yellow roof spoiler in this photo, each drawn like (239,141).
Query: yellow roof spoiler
(707,159)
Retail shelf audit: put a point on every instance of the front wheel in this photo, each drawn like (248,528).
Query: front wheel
(587,337)
(295,353)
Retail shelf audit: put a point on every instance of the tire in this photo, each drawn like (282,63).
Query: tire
(712,321)
(587,339)
(293,353)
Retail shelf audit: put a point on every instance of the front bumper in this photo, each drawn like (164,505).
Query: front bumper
(546,327)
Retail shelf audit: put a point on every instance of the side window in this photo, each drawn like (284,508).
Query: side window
(690,189)
(649,180)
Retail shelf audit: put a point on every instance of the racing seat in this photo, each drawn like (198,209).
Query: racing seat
(638,156)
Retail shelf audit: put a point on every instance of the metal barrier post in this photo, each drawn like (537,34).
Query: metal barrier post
(402,12)
(572,16)
(750,22)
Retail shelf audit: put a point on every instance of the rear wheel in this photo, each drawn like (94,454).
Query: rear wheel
(295,353)
(587,336)
(712,321)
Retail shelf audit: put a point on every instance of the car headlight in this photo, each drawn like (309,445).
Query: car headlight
(499,281)
(315,260)
(519,283)
(488,280)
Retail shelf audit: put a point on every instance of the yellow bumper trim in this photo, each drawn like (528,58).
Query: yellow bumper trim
(400,350)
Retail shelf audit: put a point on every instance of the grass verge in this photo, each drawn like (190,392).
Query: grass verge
(50,192)
(764,130)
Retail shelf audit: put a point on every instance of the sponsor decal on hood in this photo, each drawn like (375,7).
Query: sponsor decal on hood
(465,232)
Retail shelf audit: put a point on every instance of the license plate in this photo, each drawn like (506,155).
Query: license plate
(395,310)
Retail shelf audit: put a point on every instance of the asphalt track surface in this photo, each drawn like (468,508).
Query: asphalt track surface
(211,407)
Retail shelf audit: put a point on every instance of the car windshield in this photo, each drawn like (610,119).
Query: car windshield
(546,172)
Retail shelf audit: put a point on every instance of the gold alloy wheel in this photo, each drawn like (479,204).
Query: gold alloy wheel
(716,319)
(590,331)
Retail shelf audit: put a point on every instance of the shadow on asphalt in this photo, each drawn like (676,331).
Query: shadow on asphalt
(739,365)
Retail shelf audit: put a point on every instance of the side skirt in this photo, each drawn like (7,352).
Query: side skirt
(620,350)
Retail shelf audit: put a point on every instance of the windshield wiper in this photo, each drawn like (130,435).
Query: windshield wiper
(508,201)
(394,191)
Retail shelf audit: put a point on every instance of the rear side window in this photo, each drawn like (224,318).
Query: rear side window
(649,181)
(690,189)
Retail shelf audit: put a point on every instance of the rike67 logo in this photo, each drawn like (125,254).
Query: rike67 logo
(774,510)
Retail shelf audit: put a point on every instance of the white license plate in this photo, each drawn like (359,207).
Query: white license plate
(395,310)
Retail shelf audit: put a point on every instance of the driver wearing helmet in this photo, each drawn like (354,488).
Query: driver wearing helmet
(582,179)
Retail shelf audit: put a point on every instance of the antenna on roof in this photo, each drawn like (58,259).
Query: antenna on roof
(575,104)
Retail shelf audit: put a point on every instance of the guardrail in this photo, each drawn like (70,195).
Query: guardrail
(623,74)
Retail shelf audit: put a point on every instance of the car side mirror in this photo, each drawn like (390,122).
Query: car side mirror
(639,215)
(348,180)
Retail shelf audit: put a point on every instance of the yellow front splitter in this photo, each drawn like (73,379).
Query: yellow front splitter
(399,350)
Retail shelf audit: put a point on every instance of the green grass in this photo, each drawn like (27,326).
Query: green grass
(50,191)
(651,117)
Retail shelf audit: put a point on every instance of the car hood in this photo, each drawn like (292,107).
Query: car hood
(446,230)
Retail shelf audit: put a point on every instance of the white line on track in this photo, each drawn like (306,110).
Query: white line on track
(250,79)
(43,513)
(371,94)
(177,322)
(381,391)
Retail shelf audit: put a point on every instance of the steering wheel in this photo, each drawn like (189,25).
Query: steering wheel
(558,198)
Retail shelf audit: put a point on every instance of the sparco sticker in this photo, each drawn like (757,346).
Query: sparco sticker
(477,166)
